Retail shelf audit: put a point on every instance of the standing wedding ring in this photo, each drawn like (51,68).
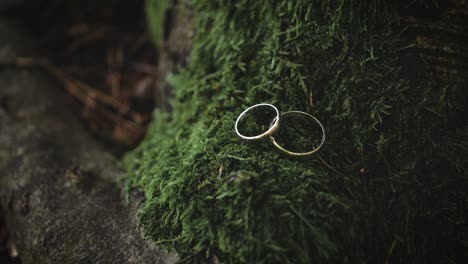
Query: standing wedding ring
(275,125)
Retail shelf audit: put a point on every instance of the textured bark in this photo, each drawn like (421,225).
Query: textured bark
(440,38)
(57,185)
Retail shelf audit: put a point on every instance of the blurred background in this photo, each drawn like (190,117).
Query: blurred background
(101,54)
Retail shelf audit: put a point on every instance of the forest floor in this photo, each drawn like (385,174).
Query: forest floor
(102,55)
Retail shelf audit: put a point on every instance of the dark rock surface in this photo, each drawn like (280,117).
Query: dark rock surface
(57,185)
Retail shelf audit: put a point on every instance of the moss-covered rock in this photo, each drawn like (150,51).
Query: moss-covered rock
(389,183)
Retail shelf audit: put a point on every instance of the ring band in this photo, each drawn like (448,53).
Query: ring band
(300,153)
(273,126)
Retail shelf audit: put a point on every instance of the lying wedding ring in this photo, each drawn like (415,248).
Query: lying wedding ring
(273,126)
(300,153)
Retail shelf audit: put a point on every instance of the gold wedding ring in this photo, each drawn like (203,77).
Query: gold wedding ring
(300,153)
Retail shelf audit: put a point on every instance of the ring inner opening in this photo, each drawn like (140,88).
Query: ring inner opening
(256,121)
(298,133)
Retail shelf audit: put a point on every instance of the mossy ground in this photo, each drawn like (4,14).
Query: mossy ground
(392,171)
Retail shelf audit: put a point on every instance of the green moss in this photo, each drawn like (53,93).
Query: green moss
(155,14)
(393,167)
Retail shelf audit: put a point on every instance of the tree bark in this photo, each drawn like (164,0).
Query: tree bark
(58,187)
(440,38)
